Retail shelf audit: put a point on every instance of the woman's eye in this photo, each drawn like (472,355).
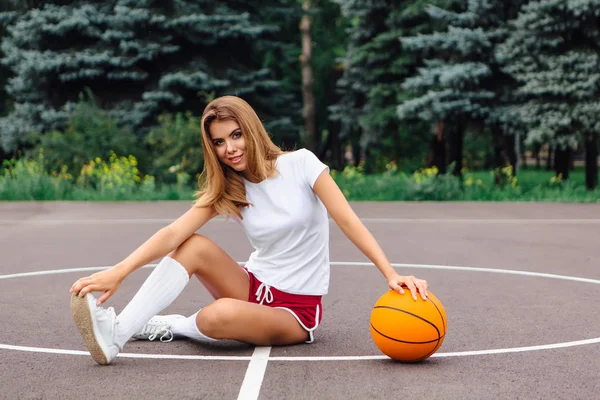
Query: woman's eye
(218,142)
(237,135)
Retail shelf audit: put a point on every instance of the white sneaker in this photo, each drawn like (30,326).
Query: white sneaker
(97,326)
(159,326)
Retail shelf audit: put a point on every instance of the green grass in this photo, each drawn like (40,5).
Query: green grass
(119,180)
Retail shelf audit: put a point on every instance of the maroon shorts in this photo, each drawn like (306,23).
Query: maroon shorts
(307,309)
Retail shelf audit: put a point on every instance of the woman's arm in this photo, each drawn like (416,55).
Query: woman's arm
(166,239)
(343,215)
(158,245)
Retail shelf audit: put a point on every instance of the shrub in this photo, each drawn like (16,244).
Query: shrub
(27,178)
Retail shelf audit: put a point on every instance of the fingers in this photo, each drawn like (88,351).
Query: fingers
(397,287)
(422,287)
(89,288)
(410,283)
(104,297)
(79,285)
(416,286)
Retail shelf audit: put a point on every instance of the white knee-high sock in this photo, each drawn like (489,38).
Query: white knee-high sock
(189,328)
(164,284)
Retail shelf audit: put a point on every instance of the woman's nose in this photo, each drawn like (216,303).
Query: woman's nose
(231,147)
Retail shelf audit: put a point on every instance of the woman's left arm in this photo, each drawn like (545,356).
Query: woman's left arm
(340,210)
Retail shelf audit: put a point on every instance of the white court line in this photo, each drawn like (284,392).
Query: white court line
(346,263)
(124,355)
(330,358)
(120,221)
(255,374)
(265,359)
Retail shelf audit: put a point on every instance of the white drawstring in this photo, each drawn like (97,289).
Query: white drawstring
(266,295)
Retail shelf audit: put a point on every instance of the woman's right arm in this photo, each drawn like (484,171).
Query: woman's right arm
(159,245)
(166,239)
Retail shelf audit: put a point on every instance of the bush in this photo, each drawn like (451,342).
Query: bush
(118,178)
(90,133)
(27,178)
(176,150)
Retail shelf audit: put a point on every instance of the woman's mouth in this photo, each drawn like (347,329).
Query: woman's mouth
(236,159)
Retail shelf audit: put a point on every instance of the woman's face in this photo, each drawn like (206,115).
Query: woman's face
(229,143)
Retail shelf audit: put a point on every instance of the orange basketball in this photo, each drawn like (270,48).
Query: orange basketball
(405,329)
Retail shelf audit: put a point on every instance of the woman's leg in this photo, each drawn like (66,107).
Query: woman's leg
(231,315)
(252,323)
(217,271)
(198,256)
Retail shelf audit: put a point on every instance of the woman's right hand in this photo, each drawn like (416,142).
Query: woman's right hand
(107,281)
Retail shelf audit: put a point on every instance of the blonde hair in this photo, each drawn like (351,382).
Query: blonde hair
(220,186)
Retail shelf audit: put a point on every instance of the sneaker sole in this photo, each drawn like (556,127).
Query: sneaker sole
(82,316)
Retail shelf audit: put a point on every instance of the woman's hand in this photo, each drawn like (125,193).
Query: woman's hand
(107,281)
(414,284)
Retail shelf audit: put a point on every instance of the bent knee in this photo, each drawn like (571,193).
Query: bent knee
(191,250)
(215,318)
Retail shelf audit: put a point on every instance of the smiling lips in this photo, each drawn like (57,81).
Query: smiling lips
(236,159)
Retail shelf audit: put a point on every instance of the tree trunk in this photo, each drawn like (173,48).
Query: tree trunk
(511,150)
(438,148)
(536,154)
(591,160)
(308,96)
(337,152)
(356,150)
(549,159)
(458,132)
(501,156)
(522,155)
(562,162)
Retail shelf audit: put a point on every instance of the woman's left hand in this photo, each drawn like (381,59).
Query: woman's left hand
(396,282)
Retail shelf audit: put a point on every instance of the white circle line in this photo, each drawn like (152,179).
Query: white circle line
(347,263)
(324,358)
(316,358)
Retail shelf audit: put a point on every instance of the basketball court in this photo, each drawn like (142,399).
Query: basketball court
(520,284)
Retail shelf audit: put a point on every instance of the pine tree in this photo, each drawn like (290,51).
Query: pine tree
(142,58)
(7,14)
(554,53)
(461,84)
(374,67)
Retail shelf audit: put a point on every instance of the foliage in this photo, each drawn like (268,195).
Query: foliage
(119,177)
(375,64)
(6,16)
(461,81)
(552,51)
(505,176)
(90,132)
(141,58)
(26,178)
(176,149)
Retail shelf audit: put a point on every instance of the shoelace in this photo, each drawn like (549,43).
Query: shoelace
(165,333)
(264,291)
(154,330)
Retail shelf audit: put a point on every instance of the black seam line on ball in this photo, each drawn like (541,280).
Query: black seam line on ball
(414,315)
(405,341)
(435,348)
(439,312)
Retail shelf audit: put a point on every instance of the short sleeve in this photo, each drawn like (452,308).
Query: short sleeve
(312,166)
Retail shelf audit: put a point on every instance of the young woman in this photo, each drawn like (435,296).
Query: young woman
(282,200)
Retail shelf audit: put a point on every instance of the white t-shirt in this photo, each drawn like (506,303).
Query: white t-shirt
(288,226)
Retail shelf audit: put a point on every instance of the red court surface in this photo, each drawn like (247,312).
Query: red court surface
(520,283)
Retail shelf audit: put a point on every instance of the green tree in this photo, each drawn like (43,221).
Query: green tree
(142,58)
(553,51)
(375,65)
(7,14)
(462,84)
